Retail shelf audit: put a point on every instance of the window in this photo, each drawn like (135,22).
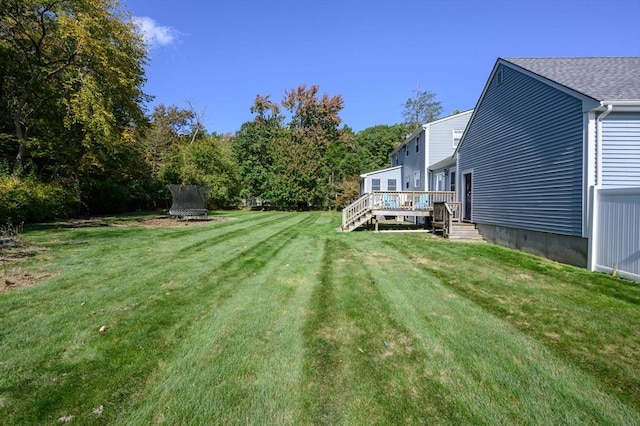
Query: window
(416,178)
(396,158)
(407,182)
(418,144)
(456,136)
(375,184)
(391,185)
(453,181)
(499,77)
(406,150)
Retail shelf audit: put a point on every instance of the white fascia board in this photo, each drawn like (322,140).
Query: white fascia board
(375,172)
(620,105)
(445,163)
(449,117)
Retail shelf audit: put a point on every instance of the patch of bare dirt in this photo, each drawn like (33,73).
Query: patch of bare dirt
(155,222)
(18,252)
(167,222)
(11,280)
(15,277)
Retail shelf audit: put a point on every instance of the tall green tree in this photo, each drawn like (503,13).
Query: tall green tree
(302,174)
(179,150)
(82,58)
(252,147)
(309,159)
(170,126)
(208,160)
(294,162)
(375,144)
(421,108)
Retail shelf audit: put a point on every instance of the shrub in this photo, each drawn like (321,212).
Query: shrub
(29,200)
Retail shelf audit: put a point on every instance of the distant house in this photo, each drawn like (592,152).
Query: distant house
(428,144)
(550,160)
(382,180)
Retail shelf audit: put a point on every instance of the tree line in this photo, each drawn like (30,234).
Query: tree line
(75,138)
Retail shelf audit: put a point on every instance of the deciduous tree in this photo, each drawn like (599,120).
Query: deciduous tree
(83,57)
(421,108)
(302,173)
(252,147)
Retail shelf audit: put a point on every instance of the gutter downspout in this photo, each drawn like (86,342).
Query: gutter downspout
(593,241)
(599,120)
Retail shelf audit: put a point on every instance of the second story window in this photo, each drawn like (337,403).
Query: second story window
(375,184)
(457,135)
(418,144)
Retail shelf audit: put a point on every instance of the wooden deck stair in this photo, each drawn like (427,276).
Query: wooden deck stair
(361,220)
(465,232)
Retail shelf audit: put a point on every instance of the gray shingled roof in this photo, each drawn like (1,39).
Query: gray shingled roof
(599,78)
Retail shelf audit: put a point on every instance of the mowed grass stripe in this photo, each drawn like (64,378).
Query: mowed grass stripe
(582,317)
(358,355)
(491,371)
(241,361)
(376,313)
(144,315)
(109,282)
(274,318)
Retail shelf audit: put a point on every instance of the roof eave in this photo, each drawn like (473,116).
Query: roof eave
(620,105)
(364,175)
(425,126)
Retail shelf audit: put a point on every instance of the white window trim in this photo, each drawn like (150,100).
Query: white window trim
(454,133)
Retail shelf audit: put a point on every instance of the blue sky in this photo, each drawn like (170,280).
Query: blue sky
(219,54)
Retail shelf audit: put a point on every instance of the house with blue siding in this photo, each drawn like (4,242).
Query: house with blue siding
(428,144)
(550,160)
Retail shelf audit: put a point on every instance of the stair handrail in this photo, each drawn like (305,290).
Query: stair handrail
(448,220)
(356,210)
(456,208)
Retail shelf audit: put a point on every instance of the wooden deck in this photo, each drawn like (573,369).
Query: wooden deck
(445,213)
(392,203)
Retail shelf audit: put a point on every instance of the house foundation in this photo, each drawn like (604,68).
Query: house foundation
(561,248)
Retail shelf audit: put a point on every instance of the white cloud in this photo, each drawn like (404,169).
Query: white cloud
(154,34)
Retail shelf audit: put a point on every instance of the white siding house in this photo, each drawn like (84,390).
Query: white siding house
(548,139)
(430,143)
(382,180)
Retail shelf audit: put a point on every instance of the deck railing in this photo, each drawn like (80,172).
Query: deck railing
(394,201)
(356,210)
(409,200)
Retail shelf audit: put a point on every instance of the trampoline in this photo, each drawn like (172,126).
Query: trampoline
(188,201)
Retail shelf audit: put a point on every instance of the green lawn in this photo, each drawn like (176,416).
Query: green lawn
(275,318)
